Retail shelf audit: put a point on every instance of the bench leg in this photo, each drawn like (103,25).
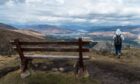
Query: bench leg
(79,69)
(24,66)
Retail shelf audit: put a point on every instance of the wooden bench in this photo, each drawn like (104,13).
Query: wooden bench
(22,46)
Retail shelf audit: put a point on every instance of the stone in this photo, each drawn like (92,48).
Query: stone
(44,67)
(61,69)
(104,47)
(25,74)
(54,69)
(36,65)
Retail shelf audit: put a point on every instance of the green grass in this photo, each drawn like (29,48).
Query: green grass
(8,62)
(39,77)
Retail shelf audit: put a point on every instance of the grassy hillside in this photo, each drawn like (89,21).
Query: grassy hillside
(103,68)
(7,35)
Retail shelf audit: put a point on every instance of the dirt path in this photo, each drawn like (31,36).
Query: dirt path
(114,73)
(106,69)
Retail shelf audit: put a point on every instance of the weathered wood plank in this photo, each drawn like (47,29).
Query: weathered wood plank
(55,57)
(51,43)
(28,49)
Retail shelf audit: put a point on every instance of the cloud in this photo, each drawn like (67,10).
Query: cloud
(79,11)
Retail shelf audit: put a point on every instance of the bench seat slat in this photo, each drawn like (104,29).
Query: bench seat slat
(55,57)
(54,49)
(51,43)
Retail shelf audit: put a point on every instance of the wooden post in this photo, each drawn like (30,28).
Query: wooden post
(80,64)
(24,61)
(18,47)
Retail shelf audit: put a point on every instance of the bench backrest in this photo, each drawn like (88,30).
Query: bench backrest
(19,46)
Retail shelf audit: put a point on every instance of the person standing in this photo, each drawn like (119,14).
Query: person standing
(118,38)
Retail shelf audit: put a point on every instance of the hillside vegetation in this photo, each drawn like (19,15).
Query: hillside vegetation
(103,68)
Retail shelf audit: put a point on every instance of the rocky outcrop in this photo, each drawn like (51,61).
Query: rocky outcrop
(104,47)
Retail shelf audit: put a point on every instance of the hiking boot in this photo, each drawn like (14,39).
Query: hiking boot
(118,57)
(119,54)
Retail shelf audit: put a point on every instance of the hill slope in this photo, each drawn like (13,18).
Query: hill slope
(7,33)
(5,26)
(48,29)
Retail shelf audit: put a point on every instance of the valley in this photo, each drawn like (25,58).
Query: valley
(95,33)
(103,66)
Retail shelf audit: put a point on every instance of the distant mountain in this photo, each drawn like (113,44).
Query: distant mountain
(5,26)
(8,33)
(95,32)
(48,29)
(105,33)
(100,28)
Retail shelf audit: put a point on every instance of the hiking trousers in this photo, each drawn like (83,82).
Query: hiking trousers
(118,49)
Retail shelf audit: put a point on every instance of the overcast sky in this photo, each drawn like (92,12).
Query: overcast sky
(121,12)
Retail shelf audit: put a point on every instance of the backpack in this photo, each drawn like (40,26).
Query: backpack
(118,40)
